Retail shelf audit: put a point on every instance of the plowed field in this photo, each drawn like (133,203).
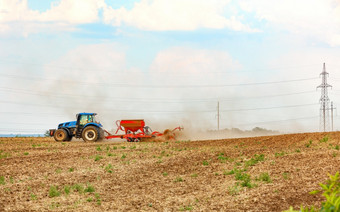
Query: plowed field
(267,173)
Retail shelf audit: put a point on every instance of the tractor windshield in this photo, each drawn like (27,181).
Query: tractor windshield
(84,119)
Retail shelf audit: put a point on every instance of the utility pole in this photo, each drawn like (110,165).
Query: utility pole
(332,108)
(324,101)
(218,115)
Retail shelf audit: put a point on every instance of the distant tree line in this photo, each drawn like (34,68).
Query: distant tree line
(256,131)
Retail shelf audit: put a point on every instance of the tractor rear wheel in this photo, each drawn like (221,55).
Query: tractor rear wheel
(90,133)
(101,134)
(61,135)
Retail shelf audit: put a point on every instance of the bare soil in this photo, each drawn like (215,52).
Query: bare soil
(166,176)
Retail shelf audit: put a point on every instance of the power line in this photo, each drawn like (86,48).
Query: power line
(271,69)
(162,100)
(198,111)
(26,123)
(110,110)
(160,86)
(269,108)
(32,114)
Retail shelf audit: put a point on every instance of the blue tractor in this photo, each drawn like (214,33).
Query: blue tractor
(86,127)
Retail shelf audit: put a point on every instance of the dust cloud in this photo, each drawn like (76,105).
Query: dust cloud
(177,90)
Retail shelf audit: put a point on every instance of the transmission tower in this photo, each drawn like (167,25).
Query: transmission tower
(324,101)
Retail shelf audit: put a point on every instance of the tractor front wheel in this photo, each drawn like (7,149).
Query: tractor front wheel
(90,133)
(61,135)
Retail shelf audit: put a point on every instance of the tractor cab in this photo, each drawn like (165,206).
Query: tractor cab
(85,118)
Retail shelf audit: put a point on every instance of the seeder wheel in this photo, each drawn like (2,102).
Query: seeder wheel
(133,139)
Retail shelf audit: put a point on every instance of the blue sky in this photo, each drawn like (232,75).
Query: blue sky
(138,59)
(41,6)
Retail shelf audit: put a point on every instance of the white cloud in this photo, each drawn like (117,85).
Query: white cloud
(74,12)
(311,18)
(16,10)
(163,15)
(158,15)
(17,18)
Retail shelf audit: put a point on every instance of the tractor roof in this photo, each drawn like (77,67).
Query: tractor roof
(87,114)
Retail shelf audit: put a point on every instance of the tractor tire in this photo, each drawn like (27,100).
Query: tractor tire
(61,135)
(101,134)
(90,134)
(69,138)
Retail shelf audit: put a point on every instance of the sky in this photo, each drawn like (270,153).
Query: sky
(168,62)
